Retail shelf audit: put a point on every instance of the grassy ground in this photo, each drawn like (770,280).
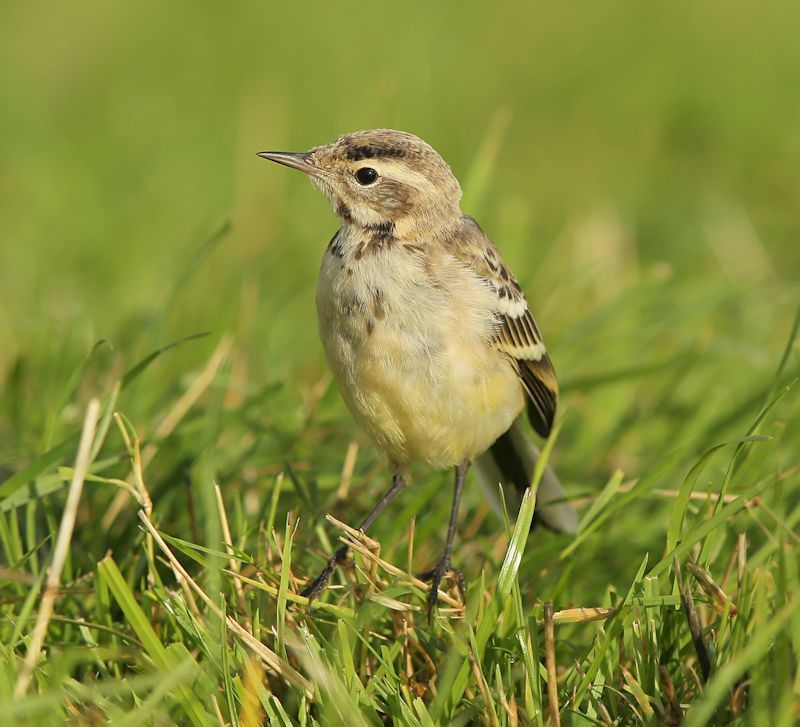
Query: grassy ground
(640,170)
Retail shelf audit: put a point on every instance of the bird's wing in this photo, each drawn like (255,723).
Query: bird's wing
(517,333)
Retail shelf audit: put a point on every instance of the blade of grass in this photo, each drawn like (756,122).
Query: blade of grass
(140,367)
(608,491)
(718,688)
(113,578)
(167,684)
(450,694)
(613,630)
(688,485)
(35,468)
(225,660)
(283,588)
(267,655)
(196,261)
(647,483)
(709,525)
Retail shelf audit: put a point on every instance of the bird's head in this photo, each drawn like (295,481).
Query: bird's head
(380,176)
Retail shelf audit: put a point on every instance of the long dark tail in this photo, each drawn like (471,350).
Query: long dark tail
(510,460)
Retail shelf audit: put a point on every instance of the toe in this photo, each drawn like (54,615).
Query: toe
(433,596)
(461,584)
(313,589)
(435,577)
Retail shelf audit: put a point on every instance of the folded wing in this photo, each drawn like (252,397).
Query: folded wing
(517,334)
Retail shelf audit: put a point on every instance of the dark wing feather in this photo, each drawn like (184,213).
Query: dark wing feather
(517,334)
(518,337)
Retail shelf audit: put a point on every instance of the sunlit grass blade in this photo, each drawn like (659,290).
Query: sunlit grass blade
(449,697)
(602,499)
(613,630)
(139,368)
(708,526)
(758,644)
(647,482)
(687,487)
(140,624)
(39,465)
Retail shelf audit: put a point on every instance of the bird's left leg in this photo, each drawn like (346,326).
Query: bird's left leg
(443,566)
(313,589)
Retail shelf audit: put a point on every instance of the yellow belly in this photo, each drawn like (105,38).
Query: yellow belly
(440,412)
(440,404)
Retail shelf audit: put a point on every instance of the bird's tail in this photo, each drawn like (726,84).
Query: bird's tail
(510,461)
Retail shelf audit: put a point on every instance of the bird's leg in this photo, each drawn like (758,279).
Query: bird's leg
(443,566)
(313,589)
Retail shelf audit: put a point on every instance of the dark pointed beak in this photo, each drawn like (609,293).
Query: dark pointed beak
(293,159)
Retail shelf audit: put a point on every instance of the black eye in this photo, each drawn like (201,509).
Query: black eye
(366,175)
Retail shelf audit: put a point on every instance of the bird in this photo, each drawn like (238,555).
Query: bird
(428,334)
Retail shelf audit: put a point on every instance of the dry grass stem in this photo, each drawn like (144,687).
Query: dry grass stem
(60,550)
(347,470)
(368,548)
(482,687)
(741,560)
(271,660)
(671,694)
(233,562)
(550,663)
(719,598)
(581,615)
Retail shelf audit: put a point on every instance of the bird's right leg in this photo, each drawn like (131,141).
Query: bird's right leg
(313,589)
(443,566)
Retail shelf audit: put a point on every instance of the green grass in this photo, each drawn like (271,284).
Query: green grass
(639,168)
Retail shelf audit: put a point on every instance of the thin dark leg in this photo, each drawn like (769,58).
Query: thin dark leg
(318,584)
(443,566)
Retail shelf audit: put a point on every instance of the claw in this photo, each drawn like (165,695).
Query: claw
(317,586)
(435,577)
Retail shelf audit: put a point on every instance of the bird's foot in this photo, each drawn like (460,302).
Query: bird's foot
(435,577)
(317,586)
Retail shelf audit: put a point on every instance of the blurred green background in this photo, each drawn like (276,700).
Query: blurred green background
(638,165)
(639,146)
(129,130)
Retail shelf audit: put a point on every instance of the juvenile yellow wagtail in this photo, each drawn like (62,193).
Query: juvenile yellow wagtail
(428,333)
